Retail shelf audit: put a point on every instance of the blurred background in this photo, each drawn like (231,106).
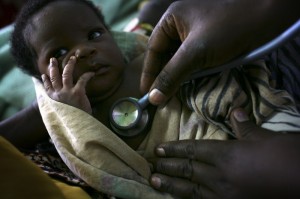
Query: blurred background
(9,10)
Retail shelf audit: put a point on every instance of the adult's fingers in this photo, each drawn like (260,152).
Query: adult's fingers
(180,188)
(192,170)
(67,75)
(207,151)
(160,46)
(246,129)
(54,74)
(185,61)
(164,79)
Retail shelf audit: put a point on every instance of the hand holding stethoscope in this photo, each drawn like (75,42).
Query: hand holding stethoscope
(129,116)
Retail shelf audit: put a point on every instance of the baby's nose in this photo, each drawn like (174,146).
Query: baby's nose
(84,52)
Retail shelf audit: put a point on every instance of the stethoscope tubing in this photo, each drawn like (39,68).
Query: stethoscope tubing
(256,54)
(259,52)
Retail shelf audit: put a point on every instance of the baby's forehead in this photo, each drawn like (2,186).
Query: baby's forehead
(68,6)
(66,12)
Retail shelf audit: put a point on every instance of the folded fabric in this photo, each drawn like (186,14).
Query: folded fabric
(17,173)
(106,163)
(250,87)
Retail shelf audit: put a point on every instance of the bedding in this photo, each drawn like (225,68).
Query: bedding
(95,154)
(113,167)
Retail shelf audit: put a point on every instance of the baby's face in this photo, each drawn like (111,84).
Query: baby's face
(65,28)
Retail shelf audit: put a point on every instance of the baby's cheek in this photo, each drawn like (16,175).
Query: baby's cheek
(43,68)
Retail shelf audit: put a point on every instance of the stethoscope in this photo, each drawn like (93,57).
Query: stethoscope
(129,116)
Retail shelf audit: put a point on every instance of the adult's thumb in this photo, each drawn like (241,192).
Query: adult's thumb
(244,128)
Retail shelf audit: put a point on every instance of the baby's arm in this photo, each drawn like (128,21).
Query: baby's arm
(25,129)
(60,87)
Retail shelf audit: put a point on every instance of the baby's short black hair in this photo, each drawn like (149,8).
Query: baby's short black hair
(23,53)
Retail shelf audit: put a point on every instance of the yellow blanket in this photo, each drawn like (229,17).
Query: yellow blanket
(107,164)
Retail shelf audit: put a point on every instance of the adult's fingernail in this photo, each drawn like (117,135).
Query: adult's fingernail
(156,182)
(156,97)
(160,151)
(240,115)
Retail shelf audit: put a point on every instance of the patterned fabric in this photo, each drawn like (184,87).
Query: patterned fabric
(250,87)
(54,166)
(109,165)
(285,66)
(47,159)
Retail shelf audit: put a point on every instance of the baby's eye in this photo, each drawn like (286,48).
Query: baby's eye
(94,35)
(60,52)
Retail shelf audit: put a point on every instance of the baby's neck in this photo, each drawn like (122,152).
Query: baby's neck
(129,87)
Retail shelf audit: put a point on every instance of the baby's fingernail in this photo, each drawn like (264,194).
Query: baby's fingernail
(156,97)
(51,61)
(160,151)
(72,58)
(240,115)
(156,182)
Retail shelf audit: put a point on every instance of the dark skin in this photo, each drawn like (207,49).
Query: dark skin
(222,169)
(25,129)
(200,34)
(24,135)
(260,163)
(153,10)
(80,64)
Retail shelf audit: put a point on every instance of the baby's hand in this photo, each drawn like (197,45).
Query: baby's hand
(61,88)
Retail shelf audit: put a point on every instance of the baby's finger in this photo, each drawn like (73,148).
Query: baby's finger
(67,76)
(83,80)
(46,82)
(55,77)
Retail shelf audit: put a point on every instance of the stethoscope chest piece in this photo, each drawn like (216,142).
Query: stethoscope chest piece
(129,117)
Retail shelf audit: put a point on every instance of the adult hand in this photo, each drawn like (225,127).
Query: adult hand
(152,11)
(61,87)
(198,34)
(260,164)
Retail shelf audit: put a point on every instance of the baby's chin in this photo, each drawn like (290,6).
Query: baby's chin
(101,93)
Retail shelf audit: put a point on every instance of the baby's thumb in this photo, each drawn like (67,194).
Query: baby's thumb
(83,79)
(246,129)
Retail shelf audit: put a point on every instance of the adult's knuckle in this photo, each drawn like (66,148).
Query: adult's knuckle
(187,170)
(190,150)
(196,192)
(167,186)
(162,167)
(175,6)
(165,81)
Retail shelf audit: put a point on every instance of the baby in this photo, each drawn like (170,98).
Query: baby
(77,58)
(66,45)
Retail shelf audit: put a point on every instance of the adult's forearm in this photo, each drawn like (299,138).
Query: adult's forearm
(25,128)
